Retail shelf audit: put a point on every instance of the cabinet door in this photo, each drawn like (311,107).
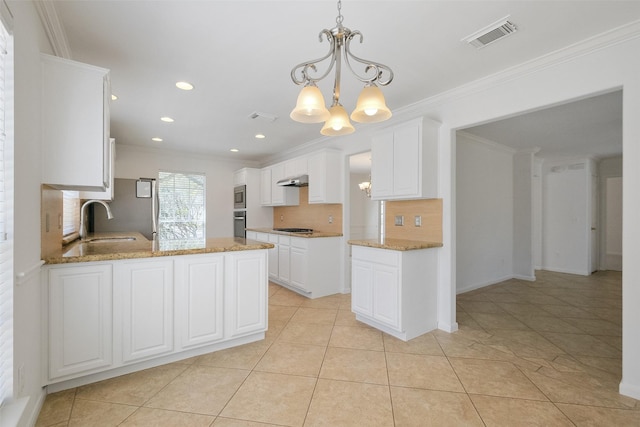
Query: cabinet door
(406,160)
(265,187)
(299,268)
(277,192)
(201,299)
(110,168)
(273,256)
(80,319)
(382,166)
(240,177)
(146,298)
(362,287)
(284,262)
(386,295)
(246,292)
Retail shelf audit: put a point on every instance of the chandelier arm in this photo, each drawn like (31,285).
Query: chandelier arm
(303,68)
(379,68)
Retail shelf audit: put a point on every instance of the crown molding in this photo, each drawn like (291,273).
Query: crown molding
(496,146)
(587,46)
(53,28)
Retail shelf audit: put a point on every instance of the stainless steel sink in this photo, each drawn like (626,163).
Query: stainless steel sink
(110,239)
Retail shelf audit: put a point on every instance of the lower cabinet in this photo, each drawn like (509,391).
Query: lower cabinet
(80,319)
(144,298)
(395,291)
(111,314)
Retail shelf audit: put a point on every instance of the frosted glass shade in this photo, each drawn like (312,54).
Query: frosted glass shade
(338,122)
(371,106)
(310,107)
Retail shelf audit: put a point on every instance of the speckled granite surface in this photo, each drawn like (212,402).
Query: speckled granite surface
(114,248)
(306,235)
(395,244)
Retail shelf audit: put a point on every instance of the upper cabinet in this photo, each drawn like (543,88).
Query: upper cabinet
(404,161)
(107,194)
(325,174)
(76,149)
(274,195)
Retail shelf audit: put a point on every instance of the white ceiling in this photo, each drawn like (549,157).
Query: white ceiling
(239,55)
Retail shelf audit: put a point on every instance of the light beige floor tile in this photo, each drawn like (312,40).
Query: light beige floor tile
(597,327)
(347,364)
(348,318)
(498,321)
(522,309)
(230,422)
(132,389)
(272,398)
(242,357)
(201,389)
(323,316)
(548,323)
(422,371)
(337,403)
(495,378)
(465,321)
(607,364)
(501,411)
(98,414)
(330,301)
(286,297)
(524,343)
(563,311)
(306,333)
(582,345)
(56,408)
(293,359)
(424,344)
(426,408)
(147,417)
(281,313)
(594,416)
(356,337)
(480,307)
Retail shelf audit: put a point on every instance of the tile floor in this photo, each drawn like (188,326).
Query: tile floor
(544,353)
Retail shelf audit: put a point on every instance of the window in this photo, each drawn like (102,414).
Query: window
(182,207)
(6,215)
(70,212)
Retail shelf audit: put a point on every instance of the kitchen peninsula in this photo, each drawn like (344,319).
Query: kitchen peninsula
(115,305)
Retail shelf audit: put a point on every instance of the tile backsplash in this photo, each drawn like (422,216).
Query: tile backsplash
(430,213)
(305,215)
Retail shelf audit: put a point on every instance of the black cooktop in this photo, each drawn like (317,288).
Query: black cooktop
(294,230)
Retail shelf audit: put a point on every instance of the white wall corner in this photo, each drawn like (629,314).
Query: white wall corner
(631,390)
(53,28)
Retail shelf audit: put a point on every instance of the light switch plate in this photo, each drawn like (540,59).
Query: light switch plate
(399,220)
(418,221)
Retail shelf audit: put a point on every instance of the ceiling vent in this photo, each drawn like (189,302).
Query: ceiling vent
(263,116)
(491,33)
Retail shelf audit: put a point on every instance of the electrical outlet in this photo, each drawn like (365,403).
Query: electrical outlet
(281,218)
(399,220)
(330,219)
(418,221)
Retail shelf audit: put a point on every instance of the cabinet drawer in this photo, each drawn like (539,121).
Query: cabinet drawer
(284,240)
(376,256)
(299,242)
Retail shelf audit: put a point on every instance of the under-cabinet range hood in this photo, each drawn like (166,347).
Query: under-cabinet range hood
(295,181)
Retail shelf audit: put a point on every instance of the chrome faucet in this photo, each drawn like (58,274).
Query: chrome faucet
(83,214)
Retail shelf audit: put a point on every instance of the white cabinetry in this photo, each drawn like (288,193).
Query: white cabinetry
(274,195)
(404,161)
(395,291)
(299,263)
(284,263)
(75,125)
(200,299)
(246,293)
(144,302)
(295,167)
(80,319)
(325,172)
(107,194)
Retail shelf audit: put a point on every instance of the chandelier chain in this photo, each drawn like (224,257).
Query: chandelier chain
(339,18)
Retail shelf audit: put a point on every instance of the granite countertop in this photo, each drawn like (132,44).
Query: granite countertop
(395,244)
(305,235)
(115,248)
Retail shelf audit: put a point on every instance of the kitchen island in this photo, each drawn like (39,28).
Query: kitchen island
(115,306)
(394,285)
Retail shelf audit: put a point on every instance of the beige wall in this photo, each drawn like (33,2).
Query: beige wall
(315,216)
(431,212)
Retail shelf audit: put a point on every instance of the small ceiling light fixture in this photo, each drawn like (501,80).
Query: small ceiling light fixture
(156,139)
(167,119)
(366,187)
(234,150)
(260,136)
(184,85)
(113,97)
(371,106)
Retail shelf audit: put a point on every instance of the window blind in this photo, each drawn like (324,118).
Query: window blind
(182,206)
(6,219)
(70,212)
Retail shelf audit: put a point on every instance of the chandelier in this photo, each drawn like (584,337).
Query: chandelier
(371,106)
(366,187)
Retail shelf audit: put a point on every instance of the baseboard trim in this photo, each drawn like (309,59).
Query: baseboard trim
(475,286)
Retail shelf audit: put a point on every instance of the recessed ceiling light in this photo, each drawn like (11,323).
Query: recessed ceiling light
(184,85)
(260,136)
(156,139)
(113,97)
(167,119)
(234,150)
